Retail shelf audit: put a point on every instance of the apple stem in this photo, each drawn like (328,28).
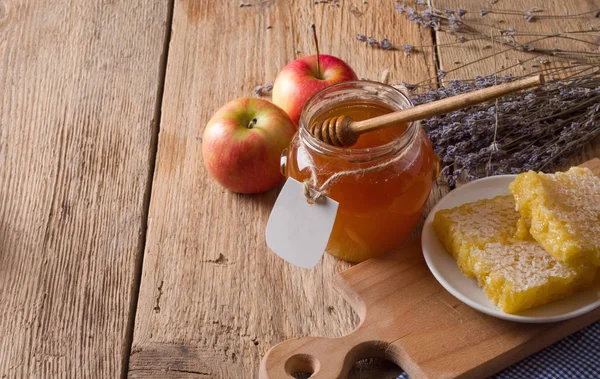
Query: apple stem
(314,29)
(252,123)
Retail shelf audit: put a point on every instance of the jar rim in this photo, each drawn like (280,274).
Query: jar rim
(398,143)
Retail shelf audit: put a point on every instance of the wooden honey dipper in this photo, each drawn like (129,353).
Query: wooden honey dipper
(342,131)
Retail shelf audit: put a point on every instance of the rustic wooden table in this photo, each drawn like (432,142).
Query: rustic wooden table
(118,254)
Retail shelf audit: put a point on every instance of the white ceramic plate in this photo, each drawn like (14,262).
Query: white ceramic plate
(446,271)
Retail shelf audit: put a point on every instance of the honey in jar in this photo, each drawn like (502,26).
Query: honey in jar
(379,207)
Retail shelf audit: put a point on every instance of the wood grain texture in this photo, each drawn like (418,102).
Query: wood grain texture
(213,298)
(467,60)
(79,85)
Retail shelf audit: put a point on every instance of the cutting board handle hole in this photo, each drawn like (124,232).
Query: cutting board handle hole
(302,366)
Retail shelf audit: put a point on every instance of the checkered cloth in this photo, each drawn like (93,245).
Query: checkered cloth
(577,356)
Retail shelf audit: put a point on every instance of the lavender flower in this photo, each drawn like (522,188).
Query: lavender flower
(427,14)
(264,90)
(361,37)
(386,44)
(400,8)
(412,14)
(483,12)
(372,42)
(420,2)
(407,49)
(510,31)
(441,74)
(454,22)
(461,12)
(268,87)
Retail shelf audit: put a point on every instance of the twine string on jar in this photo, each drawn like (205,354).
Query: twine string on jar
(315,192)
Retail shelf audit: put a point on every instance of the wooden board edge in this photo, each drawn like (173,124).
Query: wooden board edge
(592,164)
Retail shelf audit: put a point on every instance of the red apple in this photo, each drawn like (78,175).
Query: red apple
(299,80)
(242,145)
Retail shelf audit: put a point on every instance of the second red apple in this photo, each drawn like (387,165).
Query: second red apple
(300,79)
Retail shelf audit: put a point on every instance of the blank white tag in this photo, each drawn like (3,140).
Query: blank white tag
(298,231)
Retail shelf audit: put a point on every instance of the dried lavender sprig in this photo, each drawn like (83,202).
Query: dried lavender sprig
(264,89)
(372,42)
(563,35)
(386,44)
(512,12)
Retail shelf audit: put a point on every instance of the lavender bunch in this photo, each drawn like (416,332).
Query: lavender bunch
(385,43)
(537,129)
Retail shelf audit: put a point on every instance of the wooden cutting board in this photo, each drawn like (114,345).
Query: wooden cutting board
(408,318)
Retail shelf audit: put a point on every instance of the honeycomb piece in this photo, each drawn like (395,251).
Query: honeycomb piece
(490,242)
(521,275)
(563,211)
(475,224)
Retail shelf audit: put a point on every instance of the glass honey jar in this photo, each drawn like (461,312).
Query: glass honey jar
(388,174)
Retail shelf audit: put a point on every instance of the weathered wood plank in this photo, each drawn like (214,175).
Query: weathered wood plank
(213,299)
(79,83)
